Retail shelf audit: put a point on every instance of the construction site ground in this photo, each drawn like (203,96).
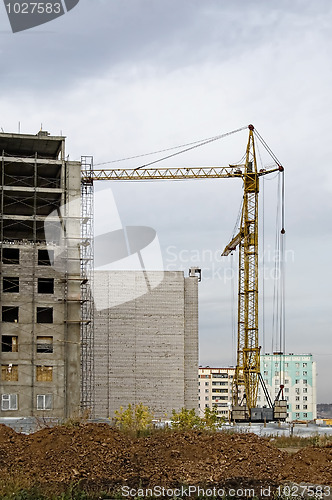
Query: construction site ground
(97,458)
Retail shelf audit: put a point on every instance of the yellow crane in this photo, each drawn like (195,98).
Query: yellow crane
(247,372)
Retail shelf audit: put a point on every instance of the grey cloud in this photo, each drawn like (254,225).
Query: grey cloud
(99,35)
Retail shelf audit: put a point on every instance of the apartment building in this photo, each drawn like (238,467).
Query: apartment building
(215,390)
(146,344)
(40,277)
(297,372)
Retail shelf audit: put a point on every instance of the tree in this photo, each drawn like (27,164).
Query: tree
(134,419)
(210,419)
(185,420)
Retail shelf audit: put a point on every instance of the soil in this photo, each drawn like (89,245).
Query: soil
(99,457)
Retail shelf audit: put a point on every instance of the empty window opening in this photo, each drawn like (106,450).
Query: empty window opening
(45,344)
(44,401)
(9,343)
(9,373)
(10,314)
(45,285)
(45,257)
(44,373)
(44,314)
(9,402)
(10,256)
(11,285)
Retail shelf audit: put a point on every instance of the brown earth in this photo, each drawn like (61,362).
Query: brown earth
(99,457)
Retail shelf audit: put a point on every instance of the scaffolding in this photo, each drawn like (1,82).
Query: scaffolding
(87,308)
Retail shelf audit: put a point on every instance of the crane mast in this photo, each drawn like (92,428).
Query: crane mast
(246,378)
(247,372)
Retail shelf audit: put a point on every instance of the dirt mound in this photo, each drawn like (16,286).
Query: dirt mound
(99,456)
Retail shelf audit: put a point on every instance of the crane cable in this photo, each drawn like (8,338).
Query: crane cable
(189,146)
(278,320)
(268,149)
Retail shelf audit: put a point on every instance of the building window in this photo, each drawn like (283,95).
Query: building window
(286,365)
(206,398)
(9,343)
(305,381)
(297,398)
(44,401)
(305,389)
(9,402)
(297,365)
(305,365)
(45,344)
(305,374)
(286,381)
(297,391)
(206,390)
(297,381)
(266,373)
(297,407)
(206,383)
(276,374)
(206,406)
(286,389)
(10,314)
(305,398)
(10,256)
(44,314)
(9,373)
(305,415)
(45,285)
(297,374)
(44,373)
(45,257)
(297,415)
(11,285)
(305,407)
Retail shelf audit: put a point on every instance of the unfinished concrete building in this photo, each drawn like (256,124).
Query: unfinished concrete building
(40,277)
(146,348)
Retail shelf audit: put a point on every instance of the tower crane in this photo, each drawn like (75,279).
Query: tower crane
(247,371)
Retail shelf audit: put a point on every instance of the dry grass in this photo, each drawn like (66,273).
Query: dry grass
(301,442)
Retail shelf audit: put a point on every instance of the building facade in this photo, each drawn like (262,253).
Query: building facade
(215,390)
(297,372)
(40,277)
(146,347)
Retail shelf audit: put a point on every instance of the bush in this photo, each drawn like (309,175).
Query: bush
(187,419)
(134,419)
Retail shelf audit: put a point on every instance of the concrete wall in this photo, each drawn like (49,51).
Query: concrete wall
(146,349)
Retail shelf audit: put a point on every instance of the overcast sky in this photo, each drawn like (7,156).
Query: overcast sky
(124,77)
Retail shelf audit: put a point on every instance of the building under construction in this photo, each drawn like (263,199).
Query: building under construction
(49,356)
(40,277)
(146,346)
